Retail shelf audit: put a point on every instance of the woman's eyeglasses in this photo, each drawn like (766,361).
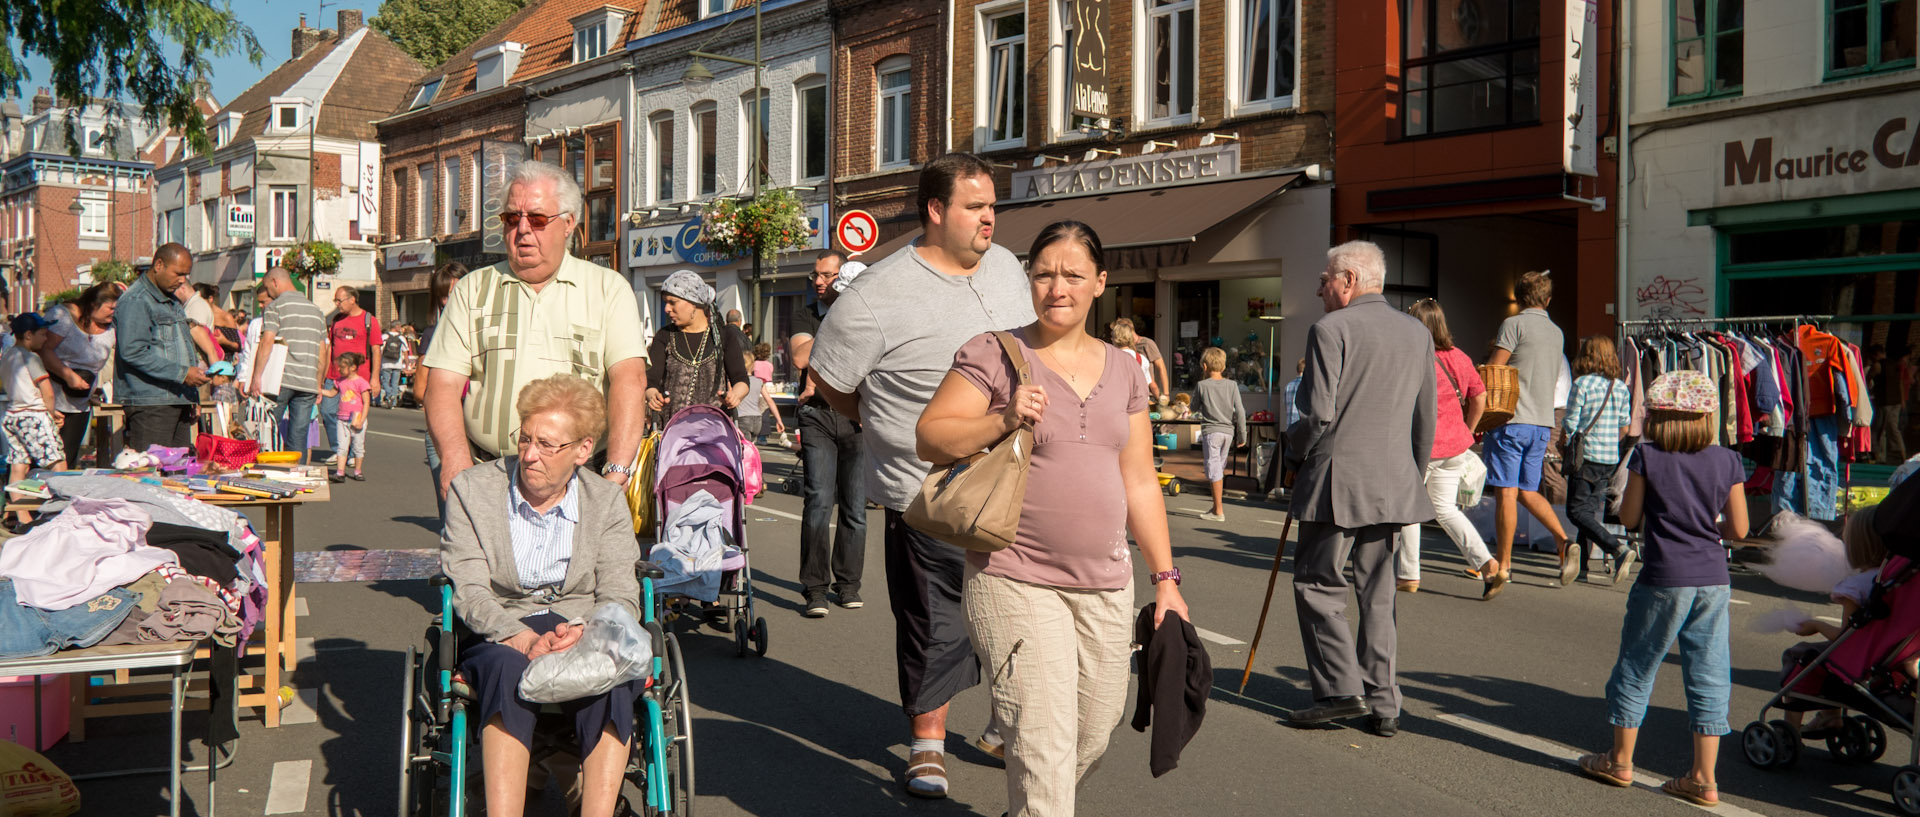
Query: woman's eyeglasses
(537,221)
(547,449)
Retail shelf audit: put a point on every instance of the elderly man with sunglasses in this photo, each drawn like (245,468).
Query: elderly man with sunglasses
(542,312)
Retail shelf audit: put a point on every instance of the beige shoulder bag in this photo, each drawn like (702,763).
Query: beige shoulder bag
(974,502)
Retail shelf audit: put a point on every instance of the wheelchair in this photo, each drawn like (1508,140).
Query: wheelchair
(438,739)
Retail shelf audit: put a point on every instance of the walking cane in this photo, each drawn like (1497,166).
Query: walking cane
(1278,552)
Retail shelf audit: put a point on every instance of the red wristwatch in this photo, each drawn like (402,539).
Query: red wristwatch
(1173,574)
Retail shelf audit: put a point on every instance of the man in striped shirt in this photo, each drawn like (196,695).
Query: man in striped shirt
(295,320)
(542,312)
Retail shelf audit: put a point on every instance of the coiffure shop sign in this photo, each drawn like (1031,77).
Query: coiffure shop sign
(1871,147)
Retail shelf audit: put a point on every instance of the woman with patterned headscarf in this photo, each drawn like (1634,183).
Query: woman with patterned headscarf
(694,363)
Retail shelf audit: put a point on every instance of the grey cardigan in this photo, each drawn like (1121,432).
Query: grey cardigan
(476,552)
(1367,416)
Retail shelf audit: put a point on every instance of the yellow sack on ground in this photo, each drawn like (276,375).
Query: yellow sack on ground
(640,489)
(32,787)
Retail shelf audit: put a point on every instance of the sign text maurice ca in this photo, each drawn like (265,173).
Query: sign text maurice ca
(1755,162)
(1129,173)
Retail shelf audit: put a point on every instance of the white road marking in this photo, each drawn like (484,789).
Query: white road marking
(299,605)
(753,509)
(1737,601)
(304,708)
(1217,638)
(1571,756)
(397,436)
(303,649)
(287,794)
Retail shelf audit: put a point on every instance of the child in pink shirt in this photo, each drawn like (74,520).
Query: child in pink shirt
(355,395)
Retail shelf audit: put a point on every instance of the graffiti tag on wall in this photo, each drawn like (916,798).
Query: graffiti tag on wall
(1665,297)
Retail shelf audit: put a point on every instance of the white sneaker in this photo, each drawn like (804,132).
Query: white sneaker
(1214,517)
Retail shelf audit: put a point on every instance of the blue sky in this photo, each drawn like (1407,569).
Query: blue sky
(272,22)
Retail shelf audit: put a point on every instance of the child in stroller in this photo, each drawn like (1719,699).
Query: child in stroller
(1866,553)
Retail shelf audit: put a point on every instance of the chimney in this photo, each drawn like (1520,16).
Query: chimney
(41,102)
(350,22)
(304,39)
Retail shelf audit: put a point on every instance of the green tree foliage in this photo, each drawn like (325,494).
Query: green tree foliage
(432,31)
(112,270)
(146,51)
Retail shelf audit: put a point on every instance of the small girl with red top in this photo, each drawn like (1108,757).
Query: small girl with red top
(355,395)
(1685,495)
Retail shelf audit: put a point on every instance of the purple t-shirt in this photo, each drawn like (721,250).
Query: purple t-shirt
(1685,492)
(1073,523)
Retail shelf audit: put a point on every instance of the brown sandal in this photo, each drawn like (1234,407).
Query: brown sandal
(1692,792)
(1601,767)
(927,774)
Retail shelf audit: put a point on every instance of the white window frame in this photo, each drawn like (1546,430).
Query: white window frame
(658,154)
(451,184)
(589,42)
(714,8)
(811,82)
(176,225)
(885,97)
(425,176)
(285,213)
(984,47)
(96,218)
(1235,71)
(425,95)
(1145,12)
(281,104)
(744,156)
(696,159)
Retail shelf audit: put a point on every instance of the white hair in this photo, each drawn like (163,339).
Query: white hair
(565,190)
(1365,260)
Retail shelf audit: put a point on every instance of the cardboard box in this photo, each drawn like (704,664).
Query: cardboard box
(16,710)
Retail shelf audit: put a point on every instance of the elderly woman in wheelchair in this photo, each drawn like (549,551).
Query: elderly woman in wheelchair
(533,542)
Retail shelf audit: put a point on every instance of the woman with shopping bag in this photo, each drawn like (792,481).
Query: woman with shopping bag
(1462,399)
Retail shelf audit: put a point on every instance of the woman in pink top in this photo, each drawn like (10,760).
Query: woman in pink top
(1059,602)
(1463,397)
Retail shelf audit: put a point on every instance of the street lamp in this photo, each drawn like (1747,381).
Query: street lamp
(696,79)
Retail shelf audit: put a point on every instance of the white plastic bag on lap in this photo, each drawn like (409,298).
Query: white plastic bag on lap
(612,650)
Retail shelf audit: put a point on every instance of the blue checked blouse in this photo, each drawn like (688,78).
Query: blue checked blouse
(1602,443)
(542,542)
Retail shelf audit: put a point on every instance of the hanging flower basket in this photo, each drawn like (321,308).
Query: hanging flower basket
(773,223)
(312,258)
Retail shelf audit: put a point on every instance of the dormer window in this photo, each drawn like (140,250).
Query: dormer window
(425,96)
(289,114)
(224,127)
(594,30)
(494,65)
(709,8)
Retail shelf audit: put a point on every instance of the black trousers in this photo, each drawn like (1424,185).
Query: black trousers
(835,474)
(931,644)
(73,430)
(169,425)
(1587,506)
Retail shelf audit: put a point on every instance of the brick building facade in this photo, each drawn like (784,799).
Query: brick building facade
(868,34)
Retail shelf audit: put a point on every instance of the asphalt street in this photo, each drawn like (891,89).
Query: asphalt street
(1499,696)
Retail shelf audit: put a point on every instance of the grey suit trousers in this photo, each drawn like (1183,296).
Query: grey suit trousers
(1338,664)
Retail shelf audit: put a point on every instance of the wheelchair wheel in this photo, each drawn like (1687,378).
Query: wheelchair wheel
(420,796)
(677,720)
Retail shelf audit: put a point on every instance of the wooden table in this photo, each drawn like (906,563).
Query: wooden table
(279,627)
(173,657)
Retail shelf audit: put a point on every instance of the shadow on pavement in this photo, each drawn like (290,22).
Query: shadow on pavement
(359,704)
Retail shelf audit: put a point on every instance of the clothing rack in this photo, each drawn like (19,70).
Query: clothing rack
(1797,320)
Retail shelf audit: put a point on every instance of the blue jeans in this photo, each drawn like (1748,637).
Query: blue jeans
(1656,617)
(329,408)
(835,473)
(28,632)
(1823,474)
(390,386)
(294,410)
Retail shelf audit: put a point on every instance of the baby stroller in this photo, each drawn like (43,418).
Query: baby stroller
(700,493)
(437,738)
(1861,669)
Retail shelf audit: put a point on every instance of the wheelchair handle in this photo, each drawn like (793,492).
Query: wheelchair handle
(648,570)
(441,580)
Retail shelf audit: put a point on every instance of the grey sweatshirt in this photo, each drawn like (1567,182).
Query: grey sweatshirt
(1218,401)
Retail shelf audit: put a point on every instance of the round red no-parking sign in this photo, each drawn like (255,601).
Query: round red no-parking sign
(857,231)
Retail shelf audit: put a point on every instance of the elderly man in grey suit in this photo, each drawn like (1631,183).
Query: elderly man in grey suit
(1364,436)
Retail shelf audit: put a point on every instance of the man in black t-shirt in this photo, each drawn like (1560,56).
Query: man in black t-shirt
(833,462)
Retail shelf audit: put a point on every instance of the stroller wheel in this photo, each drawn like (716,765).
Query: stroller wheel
(1854,742)
(759,637)
(1906,790)
(740,636)
(1876,738)
(1789,743)
(1761,744)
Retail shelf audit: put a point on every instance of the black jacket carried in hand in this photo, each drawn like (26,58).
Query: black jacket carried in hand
(1175,677)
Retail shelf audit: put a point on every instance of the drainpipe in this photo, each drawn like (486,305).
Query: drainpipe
(1623,166)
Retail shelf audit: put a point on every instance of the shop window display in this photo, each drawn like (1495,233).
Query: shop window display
(1224,314)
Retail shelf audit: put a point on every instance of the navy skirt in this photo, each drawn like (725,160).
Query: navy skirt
(493,671)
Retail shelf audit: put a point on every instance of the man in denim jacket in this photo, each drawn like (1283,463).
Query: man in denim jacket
(158,376)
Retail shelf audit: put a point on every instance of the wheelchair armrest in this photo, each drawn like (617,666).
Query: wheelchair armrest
(648,570)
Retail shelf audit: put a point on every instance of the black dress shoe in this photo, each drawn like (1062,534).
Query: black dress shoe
(1384,727)
(1327,711)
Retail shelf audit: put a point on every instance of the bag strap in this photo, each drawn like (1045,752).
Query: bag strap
(1448,371)
(1022,372)
(1596,415)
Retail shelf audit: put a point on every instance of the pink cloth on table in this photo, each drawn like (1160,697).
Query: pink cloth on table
(1073,524)
(92,547)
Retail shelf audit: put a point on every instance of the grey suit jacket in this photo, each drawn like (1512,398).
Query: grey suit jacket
(476,552)
(1367,415)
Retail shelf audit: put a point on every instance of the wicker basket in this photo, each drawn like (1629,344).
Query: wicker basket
(1503,395)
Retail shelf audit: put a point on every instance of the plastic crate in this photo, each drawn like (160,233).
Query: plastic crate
(16,710)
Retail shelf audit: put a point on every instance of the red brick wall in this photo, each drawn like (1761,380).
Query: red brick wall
(431,139)
(56,234)
(867,32)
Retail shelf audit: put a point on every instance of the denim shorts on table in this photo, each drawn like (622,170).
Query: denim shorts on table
(29,632)
(1514,453)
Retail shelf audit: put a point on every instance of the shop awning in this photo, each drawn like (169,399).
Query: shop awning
(1140,229)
